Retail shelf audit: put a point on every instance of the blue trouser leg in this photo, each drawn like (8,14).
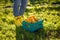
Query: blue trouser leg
(17,11)
(16,8)
(23,6)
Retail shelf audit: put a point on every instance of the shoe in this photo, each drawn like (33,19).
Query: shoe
(18,20)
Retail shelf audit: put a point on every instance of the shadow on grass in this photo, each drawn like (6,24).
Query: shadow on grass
(22,34)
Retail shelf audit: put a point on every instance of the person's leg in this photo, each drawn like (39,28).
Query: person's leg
(16,7)
(18,18)
(23,6)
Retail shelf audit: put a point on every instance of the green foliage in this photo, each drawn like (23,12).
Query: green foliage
(41,9)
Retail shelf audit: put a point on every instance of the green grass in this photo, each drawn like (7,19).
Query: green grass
(49,13)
